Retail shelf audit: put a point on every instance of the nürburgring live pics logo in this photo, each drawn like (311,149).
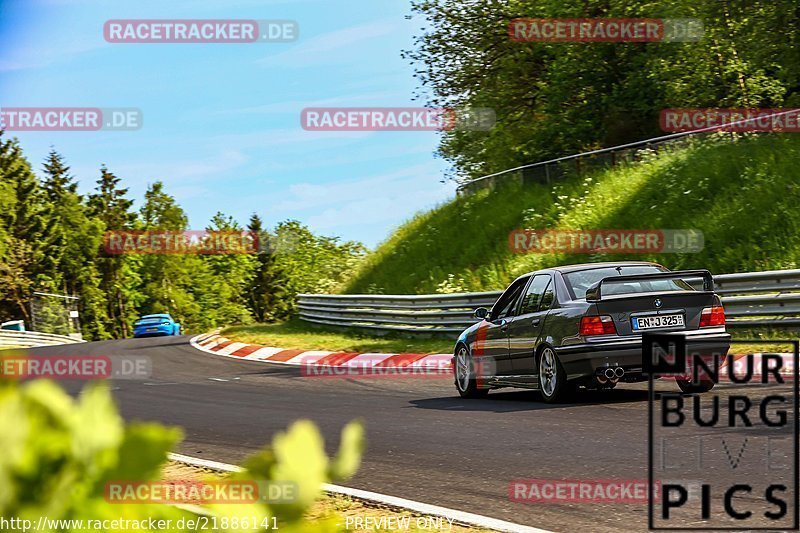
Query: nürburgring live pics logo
(740,439)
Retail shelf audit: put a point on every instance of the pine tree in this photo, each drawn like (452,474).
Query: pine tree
(59,181)
(118,278)
(22,228)
(24,221)
(267,292)
(56,187)
(73,241)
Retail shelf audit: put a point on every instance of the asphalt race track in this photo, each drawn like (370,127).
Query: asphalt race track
(424,442)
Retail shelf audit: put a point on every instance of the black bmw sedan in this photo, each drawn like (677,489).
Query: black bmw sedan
(558,329)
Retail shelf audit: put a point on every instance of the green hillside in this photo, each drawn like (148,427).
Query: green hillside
(743,194)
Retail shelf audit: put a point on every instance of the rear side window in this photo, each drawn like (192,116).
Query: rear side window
(533,296)
(548,298)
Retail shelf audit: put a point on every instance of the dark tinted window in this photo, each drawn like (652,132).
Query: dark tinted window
(583,279)
(507,302)
(548,297)
(530,302)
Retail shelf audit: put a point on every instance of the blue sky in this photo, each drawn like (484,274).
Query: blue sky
(221,121)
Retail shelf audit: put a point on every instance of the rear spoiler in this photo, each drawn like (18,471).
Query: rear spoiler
(594,293)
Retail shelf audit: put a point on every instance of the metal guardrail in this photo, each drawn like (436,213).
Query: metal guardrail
(33,338)
(750,299)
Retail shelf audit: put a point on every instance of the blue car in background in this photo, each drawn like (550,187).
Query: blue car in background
(149,325)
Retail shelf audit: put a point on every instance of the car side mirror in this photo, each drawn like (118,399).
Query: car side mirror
(481,313)
(593,293)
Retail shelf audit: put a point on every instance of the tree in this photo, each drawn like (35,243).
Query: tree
(73,240)
(314,263)
(268,295)
(221,290)
(60,194)
(15,283)
(118,274)
(167,279)
(50,241)
(554,99)
(21,227)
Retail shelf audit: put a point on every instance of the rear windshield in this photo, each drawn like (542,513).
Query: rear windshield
(581,280)
(151,319)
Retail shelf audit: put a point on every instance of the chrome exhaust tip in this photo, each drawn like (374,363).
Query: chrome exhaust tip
(619,372)
(610,374)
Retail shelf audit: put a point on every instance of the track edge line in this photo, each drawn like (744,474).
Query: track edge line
(460,517)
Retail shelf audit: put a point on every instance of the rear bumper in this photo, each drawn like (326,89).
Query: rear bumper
(152,331)
(583,360)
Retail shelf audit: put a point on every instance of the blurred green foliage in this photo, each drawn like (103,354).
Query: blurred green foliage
(58,453)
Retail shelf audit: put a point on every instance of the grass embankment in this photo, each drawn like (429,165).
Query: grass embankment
(741,194)
(302,335)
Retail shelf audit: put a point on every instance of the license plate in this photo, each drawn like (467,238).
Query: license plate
(152,329)
(659,321)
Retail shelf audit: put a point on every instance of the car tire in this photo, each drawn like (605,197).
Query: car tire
(687,387)
(464,374)
(553,384)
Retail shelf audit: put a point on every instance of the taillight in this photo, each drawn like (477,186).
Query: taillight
(597,325)
(712,316)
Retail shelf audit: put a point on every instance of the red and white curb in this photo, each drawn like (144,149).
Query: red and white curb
(218,345)
(458,517)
